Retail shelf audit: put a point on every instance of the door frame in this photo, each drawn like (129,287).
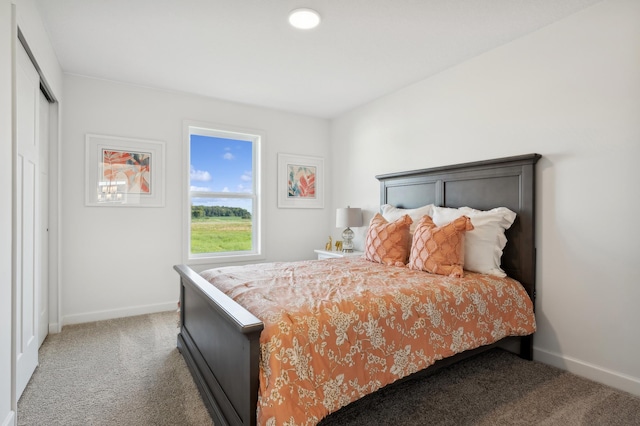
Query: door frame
(55,207)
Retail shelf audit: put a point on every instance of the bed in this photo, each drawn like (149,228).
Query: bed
(220,339)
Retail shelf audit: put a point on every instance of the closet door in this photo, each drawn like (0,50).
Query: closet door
(27,219)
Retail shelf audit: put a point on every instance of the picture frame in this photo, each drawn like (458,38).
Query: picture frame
(124,172)
(300,181)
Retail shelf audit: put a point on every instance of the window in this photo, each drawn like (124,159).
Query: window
(223,206)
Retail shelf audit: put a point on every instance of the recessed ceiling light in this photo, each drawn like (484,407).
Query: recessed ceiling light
(304,19)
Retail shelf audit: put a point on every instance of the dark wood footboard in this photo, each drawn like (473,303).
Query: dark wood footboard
(220,343)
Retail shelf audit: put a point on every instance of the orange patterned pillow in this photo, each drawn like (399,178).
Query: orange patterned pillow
(439,250)
(388,243)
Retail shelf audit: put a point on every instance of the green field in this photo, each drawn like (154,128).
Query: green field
(220,234)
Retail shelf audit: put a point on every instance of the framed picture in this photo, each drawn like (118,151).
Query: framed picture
(124,172)
(300,182)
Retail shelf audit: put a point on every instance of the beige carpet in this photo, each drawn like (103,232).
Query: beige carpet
(128,372)
(116,372)
(494,388)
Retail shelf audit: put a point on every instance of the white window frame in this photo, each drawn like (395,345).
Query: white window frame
(222,131)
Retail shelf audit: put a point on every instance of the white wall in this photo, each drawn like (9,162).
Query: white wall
(118,261)
(7,413)
(571,92)
(30,23)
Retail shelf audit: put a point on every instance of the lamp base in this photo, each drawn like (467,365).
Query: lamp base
(347,243)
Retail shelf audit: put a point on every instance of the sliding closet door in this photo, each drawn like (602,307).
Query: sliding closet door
(27,219)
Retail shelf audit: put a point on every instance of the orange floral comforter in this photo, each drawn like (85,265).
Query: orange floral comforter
(338,329)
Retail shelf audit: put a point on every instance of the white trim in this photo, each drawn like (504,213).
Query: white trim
(225,259)
(589,371)
(258,140)
(119,313)
(10,420)
(14,325)
(55,223)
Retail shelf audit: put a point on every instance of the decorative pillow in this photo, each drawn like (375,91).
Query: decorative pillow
(483,245)
(388,243)
(392,213)
(439,250)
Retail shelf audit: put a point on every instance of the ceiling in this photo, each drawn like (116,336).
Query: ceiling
(245,51)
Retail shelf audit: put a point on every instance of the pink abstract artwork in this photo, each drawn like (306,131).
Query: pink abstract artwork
(301,181)
(133,168)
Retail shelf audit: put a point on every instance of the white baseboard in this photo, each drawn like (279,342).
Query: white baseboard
(54,328)
(589,371)
(10,420)
(118,313)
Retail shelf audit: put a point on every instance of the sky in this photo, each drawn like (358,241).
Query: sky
(221,165)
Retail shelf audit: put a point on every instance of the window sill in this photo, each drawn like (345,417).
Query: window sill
(226,259)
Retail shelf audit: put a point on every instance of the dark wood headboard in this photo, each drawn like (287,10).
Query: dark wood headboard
(504,182)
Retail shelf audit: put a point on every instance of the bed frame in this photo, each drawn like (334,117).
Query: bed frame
(219,339)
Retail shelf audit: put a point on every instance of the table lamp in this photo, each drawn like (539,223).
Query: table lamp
(348,217)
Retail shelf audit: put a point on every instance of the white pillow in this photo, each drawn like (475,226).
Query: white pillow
(391,214)
(483,246)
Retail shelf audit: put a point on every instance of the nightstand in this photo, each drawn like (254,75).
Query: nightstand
(324,254)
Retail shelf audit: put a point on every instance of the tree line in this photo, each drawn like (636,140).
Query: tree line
(219,211)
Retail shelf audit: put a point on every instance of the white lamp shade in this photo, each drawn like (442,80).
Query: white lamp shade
(348,217)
